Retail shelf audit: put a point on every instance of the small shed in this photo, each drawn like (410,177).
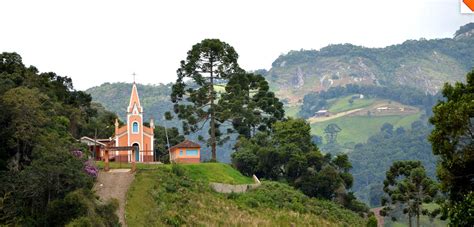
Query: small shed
(185,152)
(322,113)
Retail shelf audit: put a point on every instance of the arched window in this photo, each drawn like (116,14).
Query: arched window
(135,127)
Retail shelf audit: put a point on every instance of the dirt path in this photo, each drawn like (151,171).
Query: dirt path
(379,217)
(340,114)
(115,184)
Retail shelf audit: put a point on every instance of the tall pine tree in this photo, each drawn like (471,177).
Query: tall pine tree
(208,63)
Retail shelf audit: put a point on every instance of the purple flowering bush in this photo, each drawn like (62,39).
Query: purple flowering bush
(90,168)
(77,153)
(89,165)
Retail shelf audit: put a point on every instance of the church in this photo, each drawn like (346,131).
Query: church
(134,133)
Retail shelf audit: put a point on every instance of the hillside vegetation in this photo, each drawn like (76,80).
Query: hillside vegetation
(422,64)
(357,129)
(181,195)
(155,99)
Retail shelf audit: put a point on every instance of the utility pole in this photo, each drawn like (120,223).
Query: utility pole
(167,140)
(95,143)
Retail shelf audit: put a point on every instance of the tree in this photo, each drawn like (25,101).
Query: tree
(406,184)
(287,153)
(27,117)
(42,116)
(453,141)
(331,133)
(208,63)
(161,142)
(249,104)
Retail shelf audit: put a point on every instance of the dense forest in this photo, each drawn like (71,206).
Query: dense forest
(370,160)
(46,177)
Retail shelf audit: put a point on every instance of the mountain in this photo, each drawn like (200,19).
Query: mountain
(155,99)
(422,64)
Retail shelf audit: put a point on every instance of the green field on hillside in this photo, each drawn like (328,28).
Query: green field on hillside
(342,104)
(292,111)
(358,129)
(181,196)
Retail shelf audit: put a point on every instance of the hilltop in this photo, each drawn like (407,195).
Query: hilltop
(421,64)
(180,195)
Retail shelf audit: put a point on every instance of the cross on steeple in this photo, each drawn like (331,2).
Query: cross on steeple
(134,77)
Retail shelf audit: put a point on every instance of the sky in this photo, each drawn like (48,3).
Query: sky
(94,42)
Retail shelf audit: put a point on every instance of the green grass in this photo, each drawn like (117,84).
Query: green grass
(216,172)
(358,129)
(343,104)
(292,111)
(167,197)
(210,172)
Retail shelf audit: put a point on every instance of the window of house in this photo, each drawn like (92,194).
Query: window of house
(135,127)
(192,152)
(181,153)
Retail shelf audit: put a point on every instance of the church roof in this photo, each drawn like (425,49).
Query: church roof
(186,144)
(134,100)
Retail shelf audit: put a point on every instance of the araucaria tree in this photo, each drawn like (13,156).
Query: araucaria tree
(453,142)
(249,104)
(407,185)
(207,64)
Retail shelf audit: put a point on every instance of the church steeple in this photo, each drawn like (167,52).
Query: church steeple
(134,101)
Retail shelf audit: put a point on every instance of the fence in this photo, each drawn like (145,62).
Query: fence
(125,157)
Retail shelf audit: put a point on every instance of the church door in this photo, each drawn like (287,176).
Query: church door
(137,152)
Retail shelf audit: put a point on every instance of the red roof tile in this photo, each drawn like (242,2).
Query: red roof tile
(186,144)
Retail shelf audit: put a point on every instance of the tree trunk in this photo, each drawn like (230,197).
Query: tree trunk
(213,123)
(409,220)
(418,219)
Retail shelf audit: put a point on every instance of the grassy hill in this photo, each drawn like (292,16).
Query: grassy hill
(342,104)
(357,129)
(181,195)
(358,126)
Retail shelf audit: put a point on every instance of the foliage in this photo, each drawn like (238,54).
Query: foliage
(422,64)
(407,185)
(249,104)
(358,129)
(313,102)
(288,154)
(461,213)
(81,208)
(155,99)
(207,63)
(372,159)
(331,132)
(161,142)
(187,200)
(41,117)
(465,28)
(372,221)
(453,141)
